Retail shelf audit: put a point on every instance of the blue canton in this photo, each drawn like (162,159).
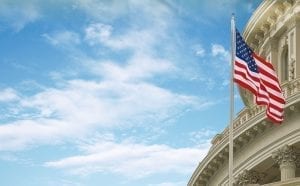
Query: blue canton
(244,52)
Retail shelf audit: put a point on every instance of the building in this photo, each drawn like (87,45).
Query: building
(264,153)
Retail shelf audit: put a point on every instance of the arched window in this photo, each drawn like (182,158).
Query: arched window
(285,65)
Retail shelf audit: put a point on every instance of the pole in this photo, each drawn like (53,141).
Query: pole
(230,164)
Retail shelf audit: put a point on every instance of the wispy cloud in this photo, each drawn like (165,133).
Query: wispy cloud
(140,67)
(131,160)
(199,50)
(218,50)
(54,114)
(102,10)
(63,38)
(8,95)
(203,136)
(18,13)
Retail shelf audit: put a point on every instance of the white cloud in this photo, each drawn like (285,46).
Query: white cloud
(97,32)
(140,67)
(8,95)
(53,114)
(63,38)
(20,134)
(199,50)
(146,30)
(107,10)
(131,160)
(202,136)
(18,14)
(219,50)
(142,11)
(141,40)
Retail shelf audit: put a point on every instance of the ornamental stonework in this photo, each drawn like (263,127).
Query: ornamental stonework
(248,177)
(286,154)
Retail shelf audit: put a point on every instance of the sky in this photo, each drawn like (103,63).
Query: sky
(110,92)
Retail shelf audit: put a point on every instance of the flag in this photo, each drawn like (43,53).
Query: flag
(257,75)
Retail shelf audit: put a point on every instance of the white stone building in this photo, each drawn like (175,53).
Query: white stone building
(264,154)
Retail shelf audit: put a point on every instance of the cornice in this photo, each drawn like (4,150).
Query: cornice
(267,17)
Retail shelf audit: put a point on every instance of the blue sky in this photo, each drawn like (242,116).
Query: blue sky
(112,93)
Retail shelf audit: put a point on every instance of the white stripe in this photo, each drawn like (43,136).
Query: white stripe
(276,112)
(261,99)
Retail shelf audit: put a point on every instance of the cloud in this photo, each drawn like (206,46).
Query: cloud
(23,133)
(18,14)
(131,160)
(80,106)
(122,94)
(98,32)
(108,10)
(8,95)
(199,50)
(142,40)
(143,33)
(63,38)
(203,136)
(102,34)
(139,68)
(219,50)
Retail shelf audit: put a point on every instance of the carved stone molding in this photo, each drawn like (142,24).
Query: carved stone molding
(292,69)
(286,158)
(265,27)
(284,154)
(279,10)
(248,177)
(288,3)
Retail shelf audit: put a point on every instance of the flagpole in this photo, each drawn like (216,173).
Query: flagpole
(230,164)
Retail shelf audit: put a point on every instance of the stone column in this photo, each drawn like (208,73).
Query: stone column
(286,159)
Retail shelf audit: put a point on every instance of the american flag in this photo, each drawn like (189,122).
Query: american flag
(258,76)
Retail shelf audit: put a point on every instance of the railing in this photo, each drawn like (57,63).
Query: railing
(289,89)
(291,182)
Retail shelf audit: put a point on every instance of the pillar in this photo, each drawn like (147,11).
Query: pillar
(286,157)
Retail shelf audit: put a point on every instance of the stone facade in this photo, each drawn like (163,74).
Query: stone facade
(264,154)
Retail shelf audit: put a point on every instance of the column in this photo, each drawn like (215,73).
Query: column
(286,157)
